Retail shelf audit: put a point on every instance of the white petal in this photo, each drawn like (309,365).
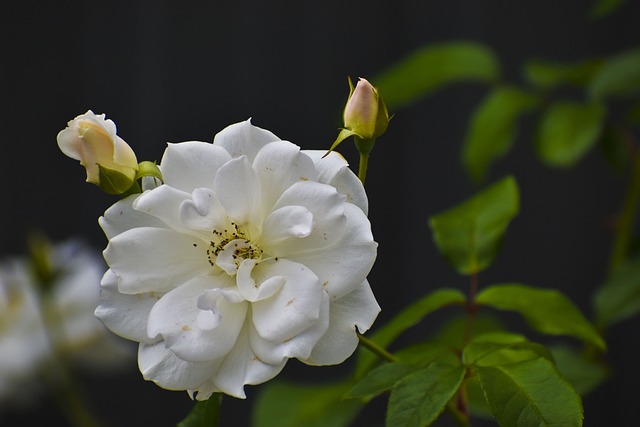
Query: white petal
(163,203)
(237,186)
(243,139)
(279,165)
(203,211)
(125,315)
(155,259)
(162,366)
(291,310)
(249,289)
(192,164)
(228,258)
(195,331)
(122,217)
(241,367)
(285,223)
(346,264)
(327,207)
(358,309)
(334,170)
(300,346)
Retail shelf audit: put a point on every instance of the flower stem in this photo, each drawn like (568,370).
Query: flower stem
(471,307)
(362,169)
(73,405)
(364,147)
(376,349)
(460,410)
(625,223)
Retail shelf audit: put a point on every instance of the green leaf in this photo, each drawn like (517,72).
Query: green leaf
(421,354)
(477,402)
(601,8)
(530,393)
(294,405)
(205,413)
(619,297)
(584,373)
(546,310)
(420,398)
(454,329)
(547,75)
(567,131)
(434,66)
(379,380)
(469,235)
(493,128)
(501,348)
(620,76)
(404,320)
(615,147)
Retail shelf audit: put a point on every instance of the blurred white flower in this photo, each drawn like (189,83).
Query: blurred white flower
(42,324)
(251,253)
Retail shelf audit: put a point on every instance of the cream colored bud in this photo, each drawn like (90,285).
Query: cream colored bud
(92,140)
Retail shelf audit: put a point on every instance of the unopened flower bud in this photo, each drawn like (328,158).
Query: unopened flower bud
(365,113)
(110,162)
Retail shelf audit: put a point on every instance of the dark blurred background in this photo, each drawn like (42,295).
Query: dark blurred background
(173,71)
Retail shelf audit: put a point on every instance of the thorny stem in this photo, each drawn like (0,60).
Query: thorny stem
(376,349)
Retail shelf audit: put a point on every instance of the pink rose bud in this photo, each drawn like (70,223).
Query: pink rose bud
(365,113)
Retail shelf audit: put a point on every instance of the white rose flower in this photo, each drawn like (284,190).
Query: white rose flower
(92,140)
(251,253)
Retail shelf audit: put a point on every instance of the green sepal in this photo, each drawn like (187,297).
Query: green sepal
(151,169)
(469,235)
(546,310)
(530,393)
(114,182)
(205,413)
(344,134)
(382,119)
